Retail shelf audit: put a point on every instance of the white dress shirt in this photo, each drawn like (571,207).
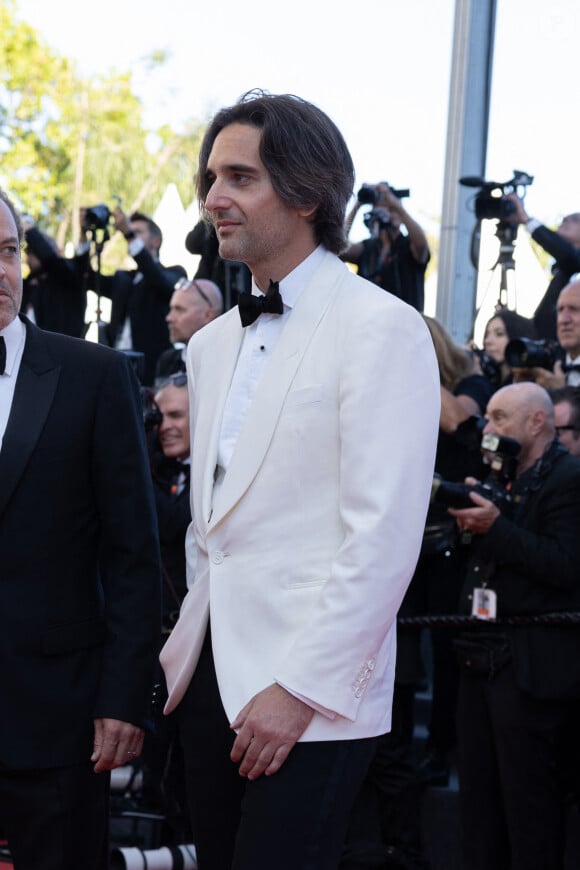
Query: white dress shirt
(572,378)
(14,336)
(258,344)
(257,347)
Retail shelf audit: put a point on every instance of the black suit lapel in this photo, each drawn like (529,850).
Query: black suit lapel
(33,396)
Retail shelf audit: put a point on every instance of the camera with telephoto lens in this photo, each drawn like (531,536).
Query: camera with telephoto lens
(525,353)
(491,202)
(97,217)
(502,455)
(369,193)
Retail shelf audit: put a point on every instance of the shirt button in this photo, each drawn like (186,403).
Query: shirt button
(217,557)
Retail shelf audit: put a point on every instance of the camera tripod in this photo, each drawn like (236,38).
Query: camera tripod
(506,233)
(97,238)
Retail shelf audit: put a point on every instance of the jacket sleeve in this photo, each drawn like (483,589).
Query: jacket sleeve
(129,562)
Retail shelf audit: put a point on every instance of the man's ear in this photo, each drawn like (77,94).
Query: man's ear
(538,421)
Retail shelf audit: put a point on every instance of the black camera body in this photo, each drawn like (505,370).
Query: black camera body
(377,218)
(503,453)
(490,368)
(525,353)
(152,415)
(97,217)
(369,195)
(491,202)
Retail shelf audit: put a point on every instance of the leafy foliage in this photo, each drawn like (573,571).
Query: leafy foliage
(68,141)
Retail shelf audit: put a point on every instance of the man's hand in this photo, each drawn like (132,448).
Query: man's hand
(122,222)
(545,378)
(520,215)
(551,380)
(268,727)
(478,519)
(116,743)
(388,200)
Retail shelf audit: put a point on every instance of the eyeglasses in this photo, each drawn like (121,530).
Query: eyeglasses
(203,295)
(566,429)
(184,283)
(177,379)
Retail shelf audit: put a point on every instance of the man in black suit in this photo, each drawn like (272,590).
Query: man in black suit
(563,245)
(80,581)
(52,297)
(139,297)
(520,679)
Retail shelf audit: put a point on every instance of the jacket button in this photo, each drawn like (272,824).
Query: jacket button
(217,557)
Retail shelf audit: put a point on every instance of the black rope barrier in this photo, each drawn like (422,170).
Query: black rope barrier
(457,619)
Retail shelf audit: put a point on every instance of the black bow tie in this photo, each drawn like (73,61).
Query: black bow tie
(251,306)
(571,367)
(2,354)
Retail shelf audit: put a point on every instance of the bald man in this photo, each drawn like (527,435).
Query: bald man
(520,681)
(193,304)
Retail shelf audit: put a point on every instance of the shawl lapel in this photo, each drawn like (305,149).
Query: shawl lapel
(260,424)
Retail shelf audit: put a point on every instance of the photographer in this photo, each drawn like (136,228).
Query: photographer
(550,364)
(140,297)
(520,670)
(500,329)
(51,295)
(564,246)
(393,260)
(567,417)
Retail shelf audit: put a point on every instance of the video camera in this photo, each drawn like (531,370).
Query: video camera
(525,353)
(491,202)
(502,454)
(369,193)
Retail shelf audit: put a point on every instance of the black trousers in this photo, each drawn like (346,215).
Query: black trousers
(294,820)
(509,757)
(56,819)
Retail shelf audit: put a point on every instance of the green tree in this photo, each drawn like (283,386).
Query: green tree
(68,141)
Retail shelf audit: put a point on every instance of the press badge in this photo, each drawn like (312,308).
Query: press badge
(484,604)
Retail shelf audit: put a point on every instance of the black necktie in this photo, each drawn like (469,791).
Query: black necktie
(251,306)
(2,354)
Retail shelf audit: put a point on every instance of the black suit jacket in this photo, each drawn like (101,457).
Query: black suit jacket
(567,263)
(56,295)
(142,295)
(79,558)
(536,559)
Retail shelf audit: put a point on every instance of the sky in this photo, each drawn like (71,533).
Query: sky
(381,70)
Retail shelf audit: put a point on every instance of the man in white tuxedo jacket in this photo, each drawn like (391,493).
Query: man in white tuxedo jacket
(314,429)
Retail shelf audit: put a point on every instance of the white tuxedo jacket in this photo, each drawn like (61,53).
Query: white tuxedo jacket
(304,553)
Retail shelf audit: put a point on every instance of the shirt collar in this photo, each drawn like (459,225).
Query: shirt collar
(293,284)
(14,335)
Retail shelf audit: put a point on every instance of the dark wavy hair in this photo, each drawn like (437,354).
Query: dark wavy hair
(304,152)
(515,324)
